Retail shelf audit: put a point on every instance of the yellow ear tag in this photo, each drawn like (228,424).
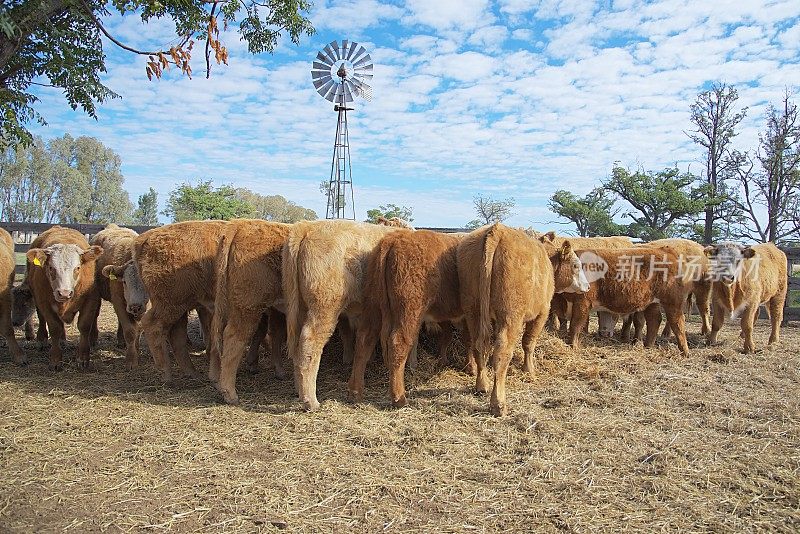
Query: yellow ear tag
(37,262)
(112,276)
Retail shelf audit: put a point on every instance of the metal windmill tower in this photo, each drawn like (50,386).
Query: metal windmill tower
(341,73)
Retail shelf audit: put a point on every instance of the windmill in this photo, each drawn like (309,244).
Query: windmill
(340,74)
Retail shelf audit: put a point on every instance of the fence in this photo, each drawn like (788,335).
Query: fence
(25,233)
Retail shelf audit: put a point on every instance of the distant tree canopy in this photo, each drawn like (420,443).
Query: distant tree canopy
(659,200)
(275,207)
(66,180)
(204,201)
(593,215)
(491,210)
(60,40)
(389,211)
(146,214)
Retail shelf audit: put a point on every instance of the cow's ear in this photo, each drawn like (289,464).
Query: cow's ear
(748,252)
(91,253)
(548,237)
(710,250)
(37,256)
(566,249)
(114,272)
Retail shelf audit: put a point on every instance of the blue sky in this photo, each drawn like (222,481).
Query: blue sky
(502,98)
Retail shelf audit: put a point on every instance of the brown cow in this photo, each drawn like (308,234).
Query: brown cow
(324,266)
(397,222)
(635,279)
(248,284)
(411,278)
(8,264)
(745,277)
(115,286)
(506,281)
(177,265)
(61,276)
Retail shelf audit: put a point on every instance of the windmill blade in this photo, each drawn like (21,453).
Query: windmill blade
(363,61)
(361,89)
(321,66)
(320,74)
(323,89)
(329,53)
(364,78)
(361,50)
(348,93)
(335,48)
(344,49)
(331,94)
(362,68)
(325,60)
(321,82)
(352,51)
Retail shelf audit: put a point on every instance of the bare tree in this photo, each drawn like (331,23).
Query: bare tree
(715,121)
(770,196)
(491,210)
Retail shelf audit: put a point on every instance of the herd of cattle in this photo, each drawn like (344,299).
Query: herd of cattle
(253,280)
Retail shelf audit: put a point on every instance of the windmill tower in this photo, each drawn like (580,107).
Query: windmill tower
(341,73)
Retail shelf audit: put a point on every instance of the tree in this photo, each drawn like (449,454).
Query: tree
(68,180)
(770,197)
(389,211)
(715,120)
(327,189)
(204,202)
(146,214)
(275,207)
(60,40)
(658,199)
(593,214)
(491,210)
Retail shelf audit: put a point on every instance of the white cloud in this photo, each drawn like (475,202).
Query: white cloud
(461,15)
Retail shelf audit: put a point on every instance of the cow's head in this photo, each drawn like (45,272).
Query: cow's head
(63,265)
(548,237)
(606,322)
(568,271)
(136,295)
(24,306)
(726,261)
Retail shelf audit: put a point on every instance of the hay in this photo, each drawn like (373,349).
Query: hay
(606,437)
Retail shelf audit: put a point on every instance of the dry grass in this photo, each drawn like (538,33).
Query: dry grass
(602,438)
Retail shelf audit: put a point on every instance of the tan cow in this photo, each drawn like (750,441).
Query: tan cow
(8,264)
(61,276)
(397,222)
(324,267)
(635,279)
(112,283)
(745,277)
(248,284)
(177,265)
(507,282)
(412,278)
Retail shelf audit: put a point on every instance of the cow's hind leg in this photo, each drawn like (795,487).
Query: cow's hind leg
(316,331)
(529,338)
(775,305)
(479,357)
(444,339)
(677,322)
(251,361)
(87,326)
(347,336)
(7,330)
(401,340)
(277,338)
(157,323)
(717,321)
(507,336)
(180,347)
(234,342)
(652,316)
(366,338)
(748,318)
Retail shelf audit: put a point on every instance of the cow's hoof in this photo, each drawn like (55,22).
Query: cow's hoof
(311,405)
(193,374)
(498,410)
(282,374)
(82,365)
(470,369)
(355,396)
(232,399)
(402,402)
(130,366)
(56,366)
(251,368)
(22,362)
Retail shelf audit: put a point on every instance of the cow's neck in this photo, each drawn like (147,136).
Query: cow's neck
(729,294)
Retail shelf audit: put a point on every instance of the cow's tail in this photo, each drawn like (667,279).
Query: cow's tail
(491,240)
(380,294)
(220,318)
(290,271)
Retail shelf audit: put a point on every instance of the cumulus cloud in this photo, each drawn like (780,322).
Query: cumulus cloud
(510,98)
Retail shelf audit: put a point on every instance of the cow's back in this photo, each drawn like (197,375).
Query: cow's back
(177,261)
(8,261)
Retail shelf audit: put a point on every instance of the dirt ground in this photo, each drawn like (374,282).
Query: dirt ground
(606,437)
